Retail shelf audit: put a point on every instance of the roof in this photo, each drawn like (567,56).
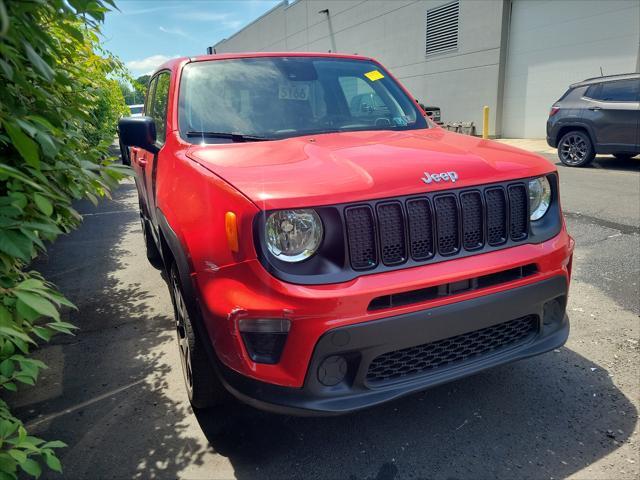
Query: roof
(606,78)
(169,64)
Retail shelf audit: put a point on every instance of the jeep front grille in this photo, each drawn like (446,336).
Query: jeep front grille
(442,224)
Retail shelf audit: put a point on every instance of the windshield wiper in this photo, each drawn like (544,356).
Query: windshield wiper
(236,137)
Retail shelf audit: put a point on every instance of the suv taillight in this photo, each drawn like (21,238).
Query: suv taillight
(553,111)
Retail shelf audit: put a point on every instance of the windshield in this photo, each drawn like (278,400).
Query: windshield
(278,97)
(135,109)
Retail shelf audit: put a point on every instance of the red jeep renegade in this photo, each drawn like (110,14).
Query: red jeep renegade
(328,248)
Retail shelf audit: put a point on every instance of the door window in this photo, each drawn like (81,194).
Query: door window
(619,91)
(150,90)
(160,99)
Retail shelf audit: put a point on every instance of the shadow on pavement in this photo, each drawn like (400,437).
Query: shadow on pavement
(115,395)
(546,417)
(106,391)
(608,162)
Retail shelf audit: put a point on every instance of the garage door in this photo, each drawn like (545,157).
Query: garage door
(558,42)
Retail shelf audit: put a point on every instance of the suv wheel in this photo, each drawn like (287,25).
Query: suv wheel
(575,149)
(203,386)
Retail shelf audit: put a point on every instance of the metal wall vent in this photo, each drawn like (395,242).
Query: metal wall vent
(442,28)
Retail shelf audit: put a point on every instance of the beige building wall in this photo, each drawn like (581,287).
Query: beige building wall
(516,56)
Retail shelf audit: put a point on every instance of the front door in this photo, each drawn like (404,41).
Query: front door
(613,113)
(158,111)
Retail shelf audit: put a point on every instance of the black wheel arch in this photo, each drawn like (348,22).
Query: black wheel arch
(172,251)
(580,127)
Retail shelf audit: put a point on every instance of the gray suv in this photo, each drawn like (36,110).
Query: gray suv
(598,115)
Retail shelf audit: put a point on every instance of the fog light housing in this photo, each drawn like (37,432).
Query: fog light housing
(264,338)
(554,311)
(332,370)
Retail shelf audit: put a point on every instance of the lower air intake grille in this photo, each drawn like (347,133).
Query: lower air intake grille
(441,354)
(361,232)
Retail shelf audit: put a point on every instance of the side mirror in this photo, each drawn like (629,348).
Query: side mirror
(138,132)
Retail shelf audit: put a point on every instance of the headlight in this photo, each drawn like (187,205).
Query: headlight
(293,235)
(539,197)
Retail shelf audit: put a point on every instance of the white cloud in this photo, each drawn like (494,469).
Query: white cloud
(144,11)
(146,65)
(225,19)
(175,31)
(200,16)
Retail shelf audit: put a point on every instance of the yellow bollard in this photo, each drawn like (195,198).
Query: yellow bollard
(485,122)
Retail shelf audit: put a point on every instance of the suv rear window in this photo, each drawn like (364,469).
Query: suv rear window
(618,91)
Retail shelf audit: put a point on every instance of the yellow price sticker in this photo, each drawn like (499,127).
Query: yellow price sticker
(374,75)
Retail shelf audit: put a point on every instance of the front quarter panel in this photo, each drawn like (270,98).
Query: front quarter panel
(194,201)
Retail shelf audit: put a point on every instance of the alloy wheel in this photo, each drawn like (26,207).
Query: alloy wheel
(182,319)
(574,149)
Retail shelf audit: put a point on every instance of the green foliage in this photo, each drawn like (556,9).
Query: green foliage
(59,105)
(133,90)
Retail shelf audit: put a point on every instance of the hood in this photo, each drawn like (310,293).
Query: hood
(354,166)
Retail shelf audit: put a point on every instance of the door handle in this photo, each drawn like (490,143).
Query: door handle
(595,108)
(142,161)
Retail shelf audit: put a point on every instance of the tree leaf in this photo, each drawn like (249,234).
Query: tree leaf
(24,144)
(25,379)
(15,244)
(38,303)
(7,367)
(12,332)
(5,315)
(44,333)
(7,428)
(7,69)
(54,444)
(31,467)
(36,60)
(49,148)
(43,204)
(53,463)
(26,311)
(18,455)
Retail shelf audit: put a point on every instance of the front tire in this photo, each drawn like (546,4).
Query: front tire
(575,149)
(203,386)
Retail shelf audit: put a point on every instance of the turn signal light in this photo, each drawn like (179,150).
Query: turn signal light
(231,227)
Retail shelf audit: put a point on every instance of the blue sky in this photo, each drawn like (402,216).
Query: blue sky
(145,33)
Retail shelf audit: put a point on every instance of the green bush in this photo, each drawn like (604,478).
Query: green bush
(59,105)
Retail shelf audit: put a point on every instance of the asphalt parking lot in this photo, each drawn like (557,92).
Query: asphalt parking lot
(115,394)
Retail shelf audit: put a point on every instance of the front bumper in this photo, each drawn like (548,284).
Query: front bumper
(361,343)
